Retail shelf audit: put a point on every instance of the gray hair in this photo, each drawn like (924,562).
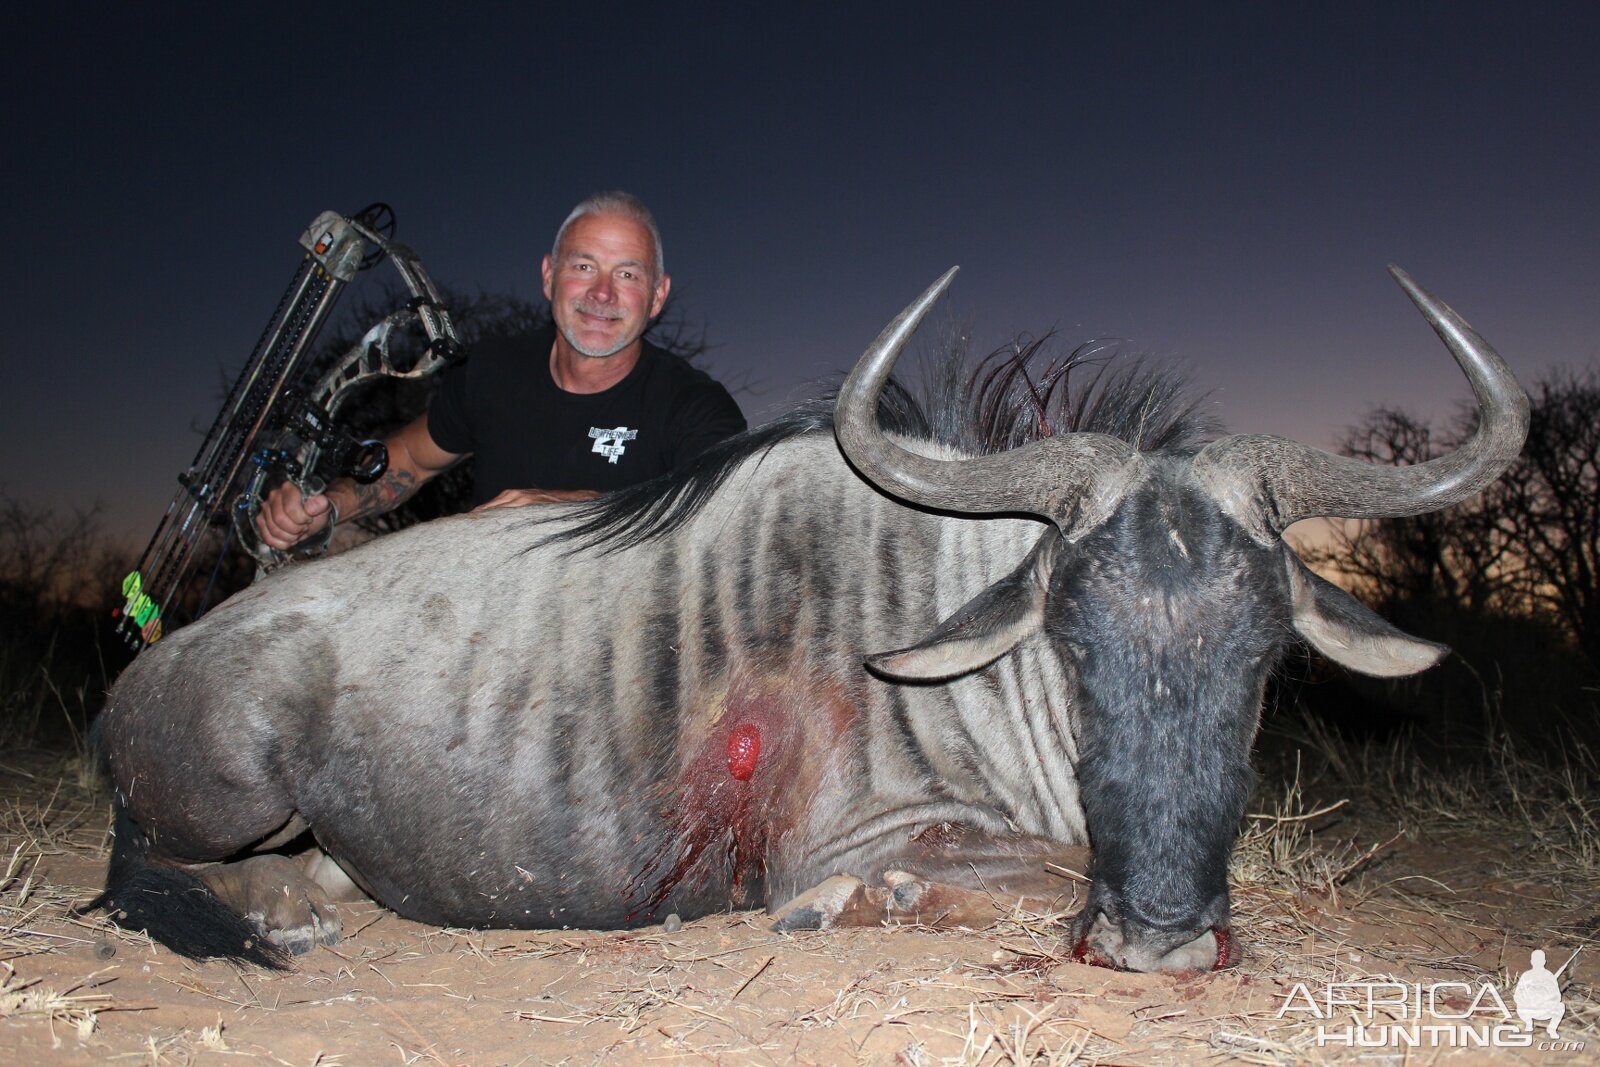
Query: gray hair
(615,202)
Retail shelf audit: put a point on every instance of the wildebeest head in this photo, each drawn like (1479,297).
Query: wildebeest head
(1167,590)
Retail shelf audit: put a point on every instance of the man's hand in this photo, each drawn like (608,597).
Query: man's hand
(516,498)
(286,518)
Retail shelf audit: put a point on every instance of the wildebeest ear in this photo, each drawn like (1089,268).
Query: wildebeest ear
(984,628)
(1352,634)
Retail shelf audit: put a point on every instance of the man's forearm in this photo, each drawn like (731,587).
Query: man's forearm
(414,460)
(355,501)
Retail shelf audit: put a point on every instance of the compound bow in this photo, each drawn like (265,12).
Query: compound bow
(269,429)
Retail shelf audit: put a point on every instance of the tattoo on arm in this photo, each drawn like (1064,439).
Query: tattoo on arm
(385,494)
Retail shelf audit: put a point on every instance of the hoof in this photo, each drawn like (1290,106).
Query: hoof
(906,892)
(324,928)
(901,899)
(286,908)
(821,906)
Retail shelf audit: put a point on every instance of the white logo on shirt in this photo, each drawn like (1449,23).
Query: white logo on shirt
(611,443)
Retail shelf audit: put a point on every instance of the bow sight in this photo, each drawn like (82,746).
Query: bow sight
(273,426)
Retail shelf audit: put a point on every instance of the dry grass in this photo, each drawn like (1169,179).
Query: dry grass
(1297,864)
(734,1003)
(46,810)
(70,1009)
(1331,883)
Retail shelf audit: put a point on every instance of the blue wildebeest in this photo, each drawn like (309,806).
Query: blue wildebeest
(676,699)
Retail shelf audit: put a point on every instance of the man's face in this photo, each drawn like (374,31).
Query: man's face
(602,286)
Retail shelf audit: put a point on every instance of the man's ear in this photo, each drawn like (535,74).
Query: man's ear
(659,301)
(1352,634)
(546,270)
(984,628)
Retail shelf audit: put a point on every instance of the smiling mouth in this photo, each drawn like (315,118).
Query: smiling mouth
(598,316)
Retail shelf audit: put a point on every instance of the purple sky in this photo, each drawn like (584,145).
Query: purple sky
(1220,188)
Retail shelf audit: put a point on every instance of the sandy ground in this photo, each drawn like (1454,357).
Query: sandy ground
(1366,902)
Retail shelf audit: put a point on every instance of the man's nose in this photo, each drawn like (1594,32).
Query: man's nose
(604,289)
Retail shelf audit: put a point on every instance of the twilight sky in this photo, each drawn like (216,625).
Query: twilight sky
(1221,187)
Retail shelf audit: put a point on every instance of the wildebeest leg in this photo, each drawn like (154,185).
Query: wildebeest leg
(279,898)
(946,876)
(290,900)
(324,870)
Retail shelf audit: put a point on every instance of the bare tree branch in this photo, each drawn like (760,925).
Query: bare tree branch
(1528,547)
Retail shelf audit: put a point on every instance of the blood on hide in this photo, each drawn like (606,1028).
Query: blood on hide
(744,749)
(766,742)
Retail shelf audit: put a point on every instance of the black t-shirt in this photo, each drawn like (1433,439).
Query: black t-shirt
(525,432)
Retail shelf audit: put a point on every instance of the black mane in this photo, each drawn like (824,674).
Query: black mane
(1010,397)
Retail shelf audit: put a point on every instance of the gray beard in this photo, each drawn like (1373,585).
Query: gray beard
(595,353)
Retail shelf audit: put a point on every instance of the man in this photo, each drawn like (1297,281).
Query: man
(580,408)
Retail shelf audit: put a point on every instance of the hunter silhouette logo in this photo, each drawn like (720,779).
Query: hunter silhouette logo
(1538,994)
(611,443)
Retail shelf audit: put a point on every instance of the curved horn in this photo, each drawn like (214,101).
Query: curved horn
(1065,479)
(1267,483)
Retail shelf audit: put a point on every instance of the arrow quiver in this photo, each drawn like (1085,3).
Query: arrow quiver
(272,427)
